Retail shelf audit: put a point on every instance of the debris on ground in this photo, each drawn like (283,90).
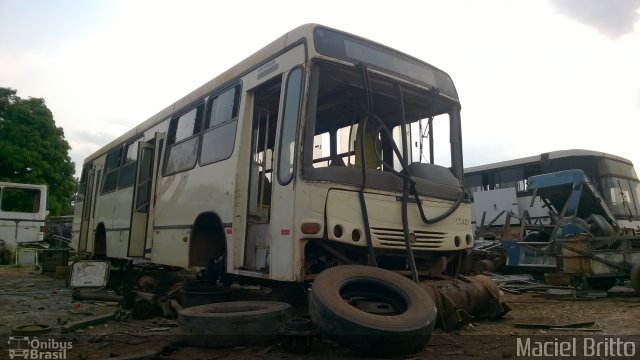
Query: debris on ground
(27,298)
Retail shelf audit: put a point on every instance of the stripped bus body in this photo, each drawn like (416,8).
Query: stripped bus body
(306,155)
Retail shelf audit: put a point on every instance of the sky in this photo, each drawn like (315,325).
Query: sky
(533,75)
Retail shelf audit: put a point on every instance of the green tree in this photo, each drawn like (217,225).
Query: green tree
(33,150)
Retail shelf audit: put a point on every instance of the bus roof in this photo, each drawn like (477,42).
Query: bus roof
(558,154)
(290,39)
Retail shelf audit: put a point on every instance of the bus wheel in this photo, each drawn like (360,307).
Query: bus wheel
(635,277)
(371,310)
(235,323)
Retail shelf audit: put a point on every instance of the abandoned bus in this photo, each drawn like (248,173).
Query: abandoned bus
(305,155)
(23,209)
(503,185)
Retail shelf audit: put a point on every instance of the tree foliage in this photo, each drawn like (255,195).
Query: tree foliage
(33,150)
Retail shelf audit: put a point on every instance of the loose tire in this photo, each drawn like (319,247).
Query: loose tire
(233,323)
(371,310)
(635,277)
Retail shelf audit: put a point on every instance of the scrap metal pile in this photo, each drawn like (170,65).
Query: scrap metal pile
(581,244)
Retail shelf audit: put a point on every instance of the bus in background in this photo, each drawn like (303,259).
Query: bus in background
(501,186)
(304,156)
(23,210)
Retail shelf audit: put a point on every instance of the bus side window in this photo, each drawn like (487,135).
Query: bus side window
(111,170)
(20,200)
(183,141)
(128,171)
(286,159)
(220,126)
(82,186)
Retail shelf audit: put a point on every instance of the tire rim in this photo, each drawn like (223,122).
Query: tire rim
(374,298)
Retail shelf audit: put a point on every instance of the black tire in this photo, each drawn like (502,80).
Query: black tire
(233,323)
(635,277)
(371,310)
(202,293)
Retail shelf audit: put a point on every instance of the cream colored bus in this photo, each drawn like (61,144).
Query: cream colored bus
(321,149)
(23,210)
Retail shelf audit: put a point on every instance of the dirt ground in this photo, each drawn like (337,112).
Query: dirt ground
(27,297)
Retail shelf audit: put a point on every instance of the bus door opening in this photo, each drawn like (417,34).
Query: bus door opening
(146,170)
(265,116)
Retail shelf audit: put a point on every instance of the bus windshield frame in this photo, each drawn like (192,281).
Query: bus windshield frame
(339,99)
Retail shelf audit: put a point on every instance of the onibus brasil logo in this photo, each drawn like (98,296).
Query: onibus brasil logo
(28,348)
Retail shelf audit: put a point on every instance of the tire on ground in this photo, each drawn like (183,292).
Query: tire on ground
(236,323)
(406,330)
(635,277)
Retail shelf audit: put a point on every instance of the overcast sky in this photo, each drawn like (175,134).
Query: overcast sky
(533,75)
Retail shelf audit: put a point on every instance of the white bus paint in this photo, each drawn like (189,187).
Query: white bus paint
(232,170)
